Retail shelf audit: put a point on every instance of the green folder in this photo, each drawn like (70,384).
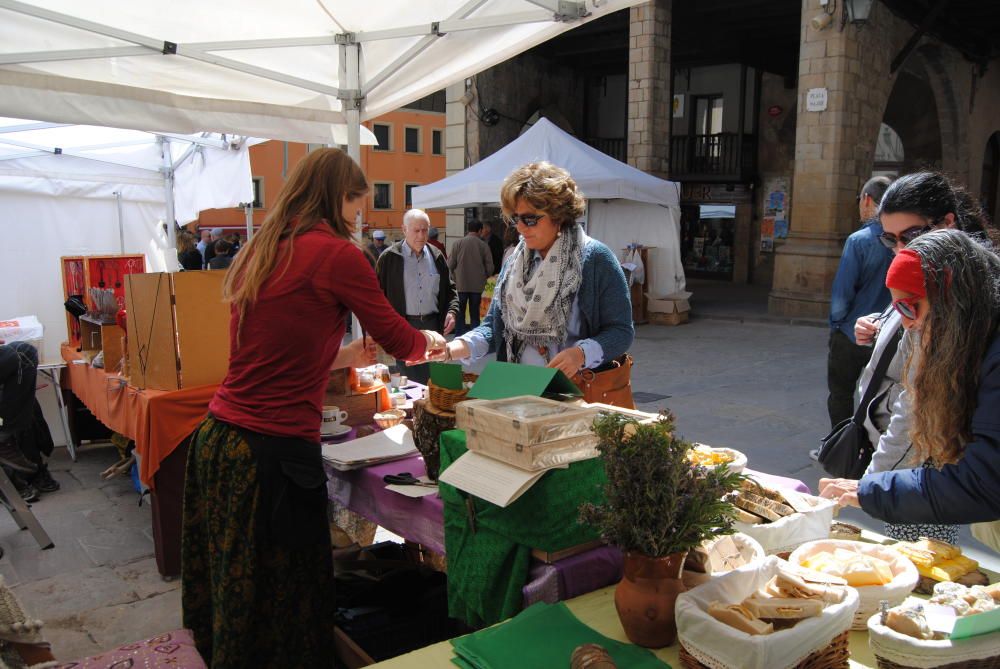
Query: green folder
(501,380)
(446,376)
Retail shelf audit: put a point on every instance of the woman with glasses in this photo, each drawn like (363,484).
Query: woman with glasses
(946,289)
(561,299)
(913,205)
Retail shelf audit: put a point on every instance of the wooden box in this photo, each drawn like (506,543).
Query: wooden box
(96,337)
(178,329)
(109,271)
(73,281)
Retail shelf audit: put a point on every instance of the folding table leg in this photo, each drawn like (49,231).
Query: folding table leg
(21,513)
(63,412)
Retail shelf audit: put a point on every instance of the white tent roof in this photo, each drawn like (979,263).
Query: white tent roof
(284,70)
(597,175)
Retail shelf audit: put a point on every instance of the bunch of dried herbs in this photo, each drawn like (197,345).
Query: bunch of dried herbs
(657,502)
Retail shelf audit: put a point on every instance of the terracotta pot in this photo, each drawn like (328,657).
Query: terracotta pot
(645,598)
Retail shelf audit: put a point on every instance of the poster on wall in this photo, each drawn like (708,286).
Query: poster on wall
(678,106)
(767,233)
(775,216)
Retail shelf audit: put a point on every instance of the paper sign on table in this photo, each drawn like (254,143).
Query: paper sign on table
(413,490)
(489,479)
(446,376)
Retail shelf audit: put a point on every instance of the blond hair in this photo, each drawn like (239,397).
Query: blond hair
(313,195)
(545,187)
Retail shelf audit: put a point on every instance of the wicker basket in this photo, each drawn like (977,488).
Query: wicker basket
(898,651)
(833,656)
(445,399)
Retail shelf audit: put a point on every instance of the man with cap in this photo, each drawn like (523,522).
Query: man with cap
(432,239)
(210,248)
(378,244)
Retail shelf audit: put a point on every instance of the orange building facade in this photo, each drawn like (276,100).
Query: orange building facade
(413,155)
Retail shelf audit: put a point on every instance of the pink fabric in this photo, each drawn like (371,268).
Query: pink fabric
(174,650)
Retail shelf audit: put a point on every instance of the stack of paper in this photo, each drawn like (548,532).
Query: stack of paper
(489,479)
(392,444)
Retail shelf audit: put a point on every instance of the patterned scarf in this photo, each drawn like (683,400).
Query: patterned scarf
(535,307)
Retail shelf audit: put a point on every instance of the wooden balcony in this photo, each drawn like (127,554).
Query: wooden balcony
(713,158)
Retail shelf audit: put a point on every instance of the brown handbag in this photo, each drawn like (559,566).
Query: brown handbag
(610,386)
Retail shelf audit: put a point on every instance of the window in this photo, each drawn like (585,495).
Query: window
(436,142)
(383,134)
(258,192)
(412,139)
(708,114)
(408,194)
(383,196)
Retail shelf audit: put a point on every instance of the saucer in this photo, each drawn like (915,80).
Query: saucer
(336,431)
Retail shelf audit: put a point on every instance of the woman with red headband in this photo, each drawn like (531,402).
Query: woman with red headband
(946,288)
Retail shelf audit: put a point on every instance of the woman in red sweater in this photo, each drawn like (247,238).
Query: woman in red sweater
(257,570)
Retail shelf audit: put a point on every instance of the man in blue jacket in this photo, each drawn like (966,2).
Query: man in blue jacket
(858,289)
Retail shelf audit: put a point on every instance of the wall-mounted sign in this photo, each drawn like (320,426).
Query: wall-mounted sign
(679,106)
(816,99)
(699,193)
(774,110)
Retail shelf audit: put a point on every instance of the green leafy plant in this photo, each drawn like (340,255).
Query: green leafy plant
(657,503)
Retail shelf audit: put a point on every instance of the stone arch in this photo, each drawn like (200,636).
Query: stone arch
(936,63)
(913,113)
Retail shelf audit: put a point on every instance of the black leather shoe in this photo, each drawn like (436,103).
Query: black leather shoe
(43,480)
(28,492)
(11,456)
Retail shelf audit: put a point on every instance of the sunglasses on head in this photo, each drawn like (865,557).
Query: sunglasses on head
(907,307)
(530,220)
(890,240)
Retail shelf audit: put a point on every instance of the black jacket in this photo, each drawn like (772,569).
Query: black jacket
(389,269)
(965,492)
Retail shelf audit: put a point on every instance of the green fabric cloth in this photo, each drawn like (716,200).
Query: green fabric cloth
(543,636)
(488,567)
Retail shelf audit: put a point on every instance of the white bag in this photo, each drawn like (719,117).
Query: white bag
(22,328)
(720,646)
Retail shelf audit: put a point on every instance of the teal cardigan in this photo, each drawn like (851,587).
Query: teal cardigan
(603,299)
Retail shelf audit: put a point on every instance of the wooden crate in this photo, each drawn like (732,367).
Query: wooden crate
(109,271)
(73,281)
(178,329)
(97,337)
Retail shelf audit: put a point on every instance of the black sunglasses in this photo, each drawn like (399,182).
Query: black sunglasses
(530,220)
(890,240)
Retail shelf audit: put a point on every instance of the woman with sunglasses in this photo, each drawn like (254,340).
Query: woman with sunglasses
(946,289)
(561,299)
(912,205)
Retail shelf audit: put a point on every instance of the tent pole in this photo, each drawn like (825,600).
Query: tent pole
(121,223)
(168,187)
(248,212)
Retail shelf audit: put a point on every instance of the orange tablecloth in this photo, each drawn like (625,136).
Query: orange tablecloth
(157,420)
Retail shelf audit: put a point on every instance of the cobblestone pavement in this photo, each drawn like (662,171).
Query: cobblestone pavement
(739,380)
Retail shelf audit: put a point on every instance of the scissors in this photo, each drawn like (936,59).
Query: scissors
(406,478)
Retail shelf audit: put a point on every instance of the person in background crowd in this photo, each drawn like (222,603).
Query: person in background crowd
(946,288)
(210,249)
(378,244)
(561,300)
(471,263)
(187,251)
(432,239)
(222,258)
(257,568)
(206,239)
(415,279)
(234,243)
(913,205)
(510,239)
(496,246)
(858,289)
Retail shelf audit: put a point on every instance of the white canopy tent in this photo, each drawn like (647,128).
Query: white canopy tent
(81,190)
(625,205)
(293,70)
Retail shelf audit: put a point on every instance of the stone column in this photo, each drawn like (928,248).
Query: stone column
(834,153)
(454,154)
(649,72)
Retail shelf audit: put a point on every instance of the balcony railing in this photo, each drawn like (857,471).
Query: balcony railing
(612,146)
(715,156)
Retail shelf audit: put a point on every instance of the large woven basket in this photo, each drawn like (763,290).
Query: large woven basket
(833,656)
(445,399)
(898,651)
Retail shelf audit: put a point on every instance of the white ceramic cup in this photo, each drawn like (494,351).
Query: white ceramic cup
(394,380)
(333,417)
(403,381)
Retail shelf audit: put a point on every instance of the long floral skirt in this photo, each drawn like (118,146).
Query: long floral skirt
(248,604)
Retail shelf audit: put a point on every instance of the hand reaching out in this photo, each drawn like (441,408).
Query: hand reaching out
(359,353)
(844,491)
(569,361)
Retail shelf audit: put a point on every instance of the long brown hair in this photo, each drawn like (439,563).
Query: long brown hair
(963,290)
(313,195)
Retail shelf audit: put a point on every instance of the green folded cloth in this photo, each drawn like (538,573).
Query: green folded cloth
(543,636)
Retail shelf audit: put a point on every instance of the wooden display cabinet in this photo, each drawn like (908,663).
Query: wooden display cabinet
(74,283)
(178,329)
(109,271)
(97,336)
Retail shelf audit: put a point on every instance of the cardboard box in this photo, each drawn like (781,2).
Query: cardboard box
(178,329)
(669,304)
(96,337)
(675,318)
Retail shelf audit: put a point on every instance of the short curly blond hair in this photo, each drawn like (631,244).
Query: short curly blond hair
(546,188)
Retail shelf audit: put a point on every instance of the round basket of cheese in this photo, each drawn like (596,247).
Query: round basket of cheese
(704,455)
(877,572)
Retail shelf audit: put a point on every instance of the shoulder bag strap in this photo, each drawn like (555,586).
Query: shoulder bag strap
(880,369)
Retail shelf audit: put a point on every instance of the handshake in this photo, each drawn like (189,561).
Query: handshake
(440,350)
